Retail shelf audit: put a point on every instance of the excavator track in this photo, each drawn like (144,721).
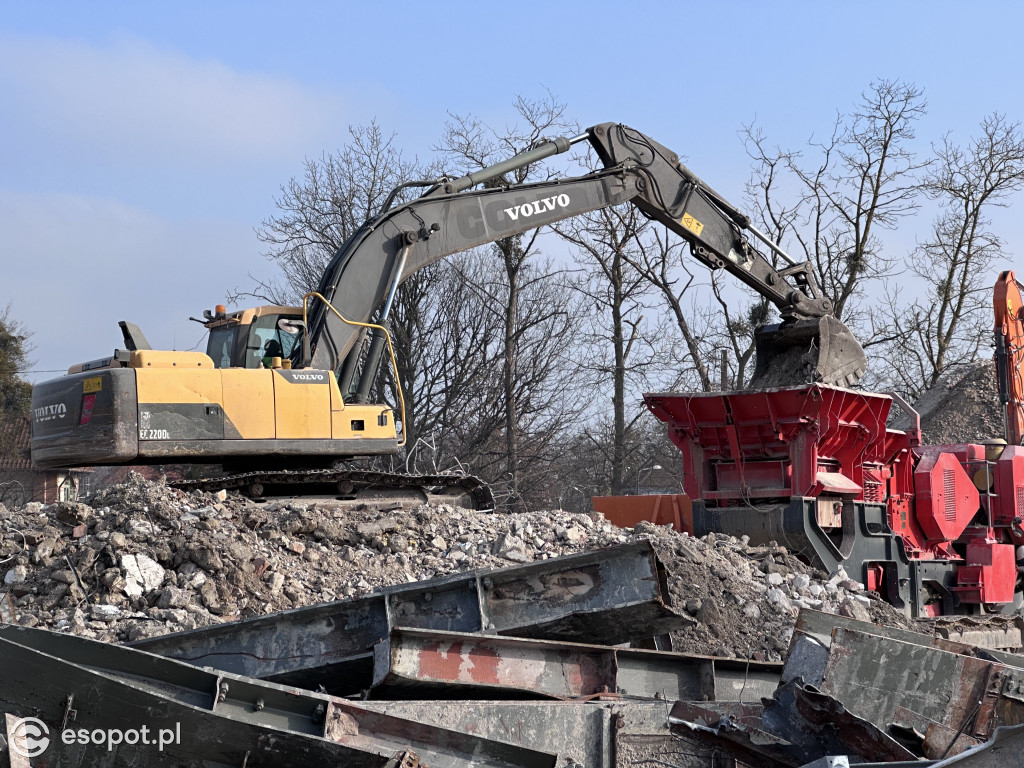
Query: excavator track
(353,485)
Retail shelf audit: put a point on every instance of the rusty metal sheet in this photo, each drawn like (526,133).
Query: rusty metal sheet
(611,596)
(873,676)
(940,741)
(823,726)
(819,626)
(414,662)
(929,738)
(739,739)
(72,682)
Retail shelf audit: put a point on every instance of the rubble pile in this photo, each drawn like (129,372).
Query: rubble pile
(962,407)
(432,669)
(141,559)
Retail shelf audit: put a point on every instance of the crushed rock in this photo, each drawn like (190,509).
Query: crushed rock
(962,407)
(153,560)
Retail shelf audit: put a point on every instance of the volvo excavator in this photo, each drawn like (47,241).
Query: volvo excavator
(281,397)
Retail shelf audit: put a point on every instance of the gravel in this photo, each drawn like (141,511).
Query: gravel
(962,407)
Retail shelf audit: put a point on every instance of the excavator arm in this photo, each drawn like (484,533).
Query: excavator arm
(453,216)
(1008,303)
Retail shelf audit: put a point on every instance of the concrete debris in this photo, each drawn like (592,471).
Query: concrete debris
(250,621)
(172,561)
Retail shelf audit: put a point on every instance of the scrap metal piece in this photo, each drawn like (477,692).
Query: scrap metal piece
(591,734)
(913,680)
(221,718)
(739,738)
(934,740)
(610,596)
(1002,632)
(823,725)
(1004,750)
(424,662)
(819,626)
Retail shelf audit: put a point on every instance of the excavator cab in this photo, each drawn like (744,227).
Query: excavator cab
(246,338)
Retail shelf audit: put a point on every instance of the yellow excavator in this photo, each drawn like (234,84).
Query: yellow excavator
(281,396)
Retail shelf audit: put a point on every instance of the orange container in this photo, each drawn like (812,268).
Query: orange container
(668,509)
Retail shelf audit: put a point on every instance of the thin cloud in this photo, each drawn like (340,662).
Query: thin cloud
(74,265)
(132,102)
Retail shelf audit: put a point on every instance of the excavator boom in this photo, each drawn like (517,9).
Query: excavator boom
(285,390)
(453,216)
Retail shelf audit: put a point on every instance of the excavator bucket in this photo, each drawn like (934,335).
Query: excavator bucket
(817,350)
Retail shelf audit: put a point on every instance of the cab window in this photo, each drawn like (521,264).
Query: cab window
(221,345)
(267,338)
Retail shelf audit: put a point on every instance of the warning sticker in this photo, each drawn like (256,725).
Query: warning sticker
(691,224)
(92,385)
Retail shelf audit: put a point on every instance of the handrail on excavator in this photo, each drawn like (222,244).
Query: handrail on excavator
(387,337)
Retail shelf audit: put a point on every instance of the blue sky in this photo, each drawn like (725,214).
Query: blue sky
(141,143)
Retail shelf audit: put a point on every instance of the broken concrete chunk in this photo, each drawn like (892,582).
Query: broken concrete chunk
(206,558)
(172,597)
(854,609)
(72,512)
(142,574)
(138,527)
(105,613)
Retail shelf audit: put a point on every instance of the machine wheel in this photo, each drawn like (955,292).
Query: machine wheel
(254,490)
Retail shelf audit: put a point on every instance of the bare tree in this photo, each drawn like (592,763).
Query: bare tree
(611,284)
(318,212)
(861,180)
(945,327)
(442,339)
(471,144)
(660,259)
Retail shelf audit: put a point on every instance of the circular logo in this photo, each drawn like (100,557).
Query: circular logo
(29,737)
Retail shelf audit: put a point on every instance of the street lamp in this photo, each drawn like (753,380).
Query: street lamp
(640,472)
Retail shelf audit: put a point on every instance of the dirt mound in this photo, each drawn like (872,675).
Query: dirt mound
(140,559)
(962,407)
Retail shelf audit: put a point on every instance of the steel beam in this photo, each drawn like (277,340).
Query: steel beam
(938,688)
(819,626)
(609,596)
(223,719)
(414,663)
(593,734)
